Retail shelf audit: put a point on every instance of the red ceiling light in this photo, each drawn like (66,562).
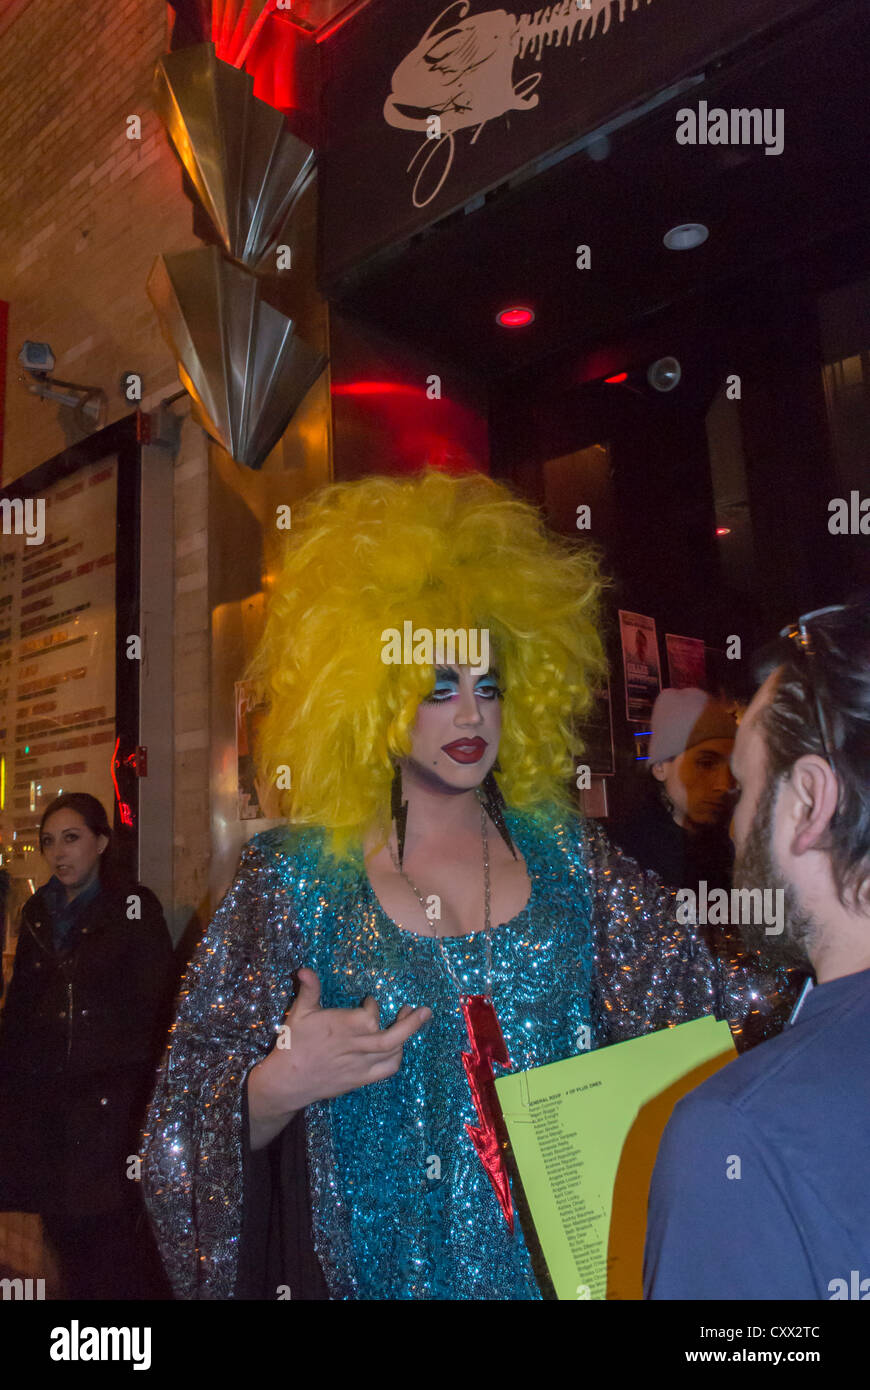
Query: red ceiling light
(723,530)
(616,380)
(516,317)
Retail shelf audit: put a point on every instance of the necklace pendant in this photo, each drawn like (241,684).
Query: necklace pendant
(487,1047)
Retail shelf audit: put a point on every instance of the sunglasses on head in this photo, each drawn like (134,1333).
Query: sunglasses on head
(799,633)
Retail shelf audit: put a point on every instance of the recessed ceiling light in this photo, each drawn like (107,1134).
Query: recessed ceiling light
(515,317)
(685,236)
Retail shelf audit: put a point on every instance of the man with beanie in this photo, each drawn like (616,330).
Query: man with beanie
(681,831)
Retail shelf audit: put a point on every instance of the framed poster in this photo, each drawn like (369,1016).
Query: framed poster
(256,799)
(687,662)
(69,604)
(640,660)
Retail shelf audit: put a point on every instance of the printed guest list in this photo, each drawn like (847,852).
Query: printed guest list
(585,1133)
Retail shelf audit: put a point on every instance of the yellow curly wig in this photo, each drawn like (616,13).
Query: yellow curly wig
(444,552)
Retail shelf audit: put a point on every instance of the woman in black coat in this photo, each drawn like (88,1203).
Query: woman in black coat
(82,1029)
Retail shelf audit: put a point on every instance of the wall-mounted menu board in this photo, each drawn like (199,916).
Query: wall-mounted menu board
(69,597)
(57,651)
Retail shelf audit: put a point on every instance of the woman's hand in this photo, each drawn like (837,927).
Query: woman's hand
(327,1053)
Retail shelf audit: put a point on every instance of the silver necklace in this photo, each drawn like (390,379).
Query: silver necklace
(487,916)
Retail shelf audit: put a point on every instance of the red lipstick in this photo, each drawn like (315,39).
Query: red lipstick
(465,750)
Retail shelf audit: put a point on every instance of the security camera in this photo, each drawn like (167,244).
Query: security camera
(36,358)
(90,403)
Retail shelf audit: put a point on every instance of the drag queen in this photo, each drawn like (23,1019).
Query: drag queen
(324,1122)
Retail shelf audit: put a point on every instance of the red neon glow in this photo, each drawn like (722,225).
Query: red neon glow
(263,47)
(124,809)
(615,380)
(404,429)
(256,28)
(517,317)
(375,388)
(723,530)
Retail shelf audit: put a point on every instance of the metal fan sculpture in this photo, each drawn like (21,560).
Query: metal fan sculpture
(247,167)
(240,358)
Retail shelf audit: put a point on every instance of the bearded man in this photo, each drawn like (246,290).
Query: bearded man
(760,1187)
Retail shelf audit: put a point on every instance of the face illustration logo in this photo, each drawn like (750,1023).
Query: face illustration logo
(461,74)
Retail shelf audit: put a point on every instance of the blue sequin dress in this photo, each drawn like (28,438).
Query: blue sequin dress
(402,1206)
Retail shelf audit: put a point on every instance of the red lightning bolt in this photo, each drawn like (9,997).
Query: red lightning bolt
(487,1047)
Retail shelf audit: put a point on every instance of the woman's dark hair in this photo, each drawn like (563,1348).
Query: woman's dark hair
(837,674)
(92,813)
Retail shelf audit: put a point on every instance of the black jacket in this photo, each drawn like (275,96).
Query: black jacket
(80,1035)
(652,837)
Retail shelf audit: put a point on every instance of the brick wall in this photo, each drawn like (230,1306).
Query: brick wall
(84,210)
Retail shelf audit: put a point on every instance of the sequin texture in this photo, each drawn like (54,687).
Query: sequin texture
(402,1207)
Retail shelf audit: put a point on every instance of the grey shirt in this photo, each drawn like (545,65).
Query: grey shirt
(760,1189)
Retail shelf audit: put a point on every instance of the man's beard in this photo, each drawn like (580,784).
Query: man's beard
(754,868)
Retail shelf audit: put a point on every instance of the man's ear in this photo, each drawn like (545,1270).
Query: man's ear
(816,792)
(658,771)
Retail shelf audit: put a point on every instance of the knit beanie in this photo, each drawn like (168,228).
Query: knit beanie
(682,718)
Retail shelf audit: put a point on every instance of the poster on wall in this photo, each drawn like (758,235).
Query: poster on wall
(57,658)
(687,663)
(256,800)
(640,661)
(596,731)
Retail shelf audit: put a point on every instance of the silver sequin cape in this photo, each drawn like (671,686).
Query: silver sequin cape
(402,1207)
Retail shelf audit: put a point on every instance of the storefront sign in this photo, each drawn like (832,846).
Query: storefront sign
(427,105)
